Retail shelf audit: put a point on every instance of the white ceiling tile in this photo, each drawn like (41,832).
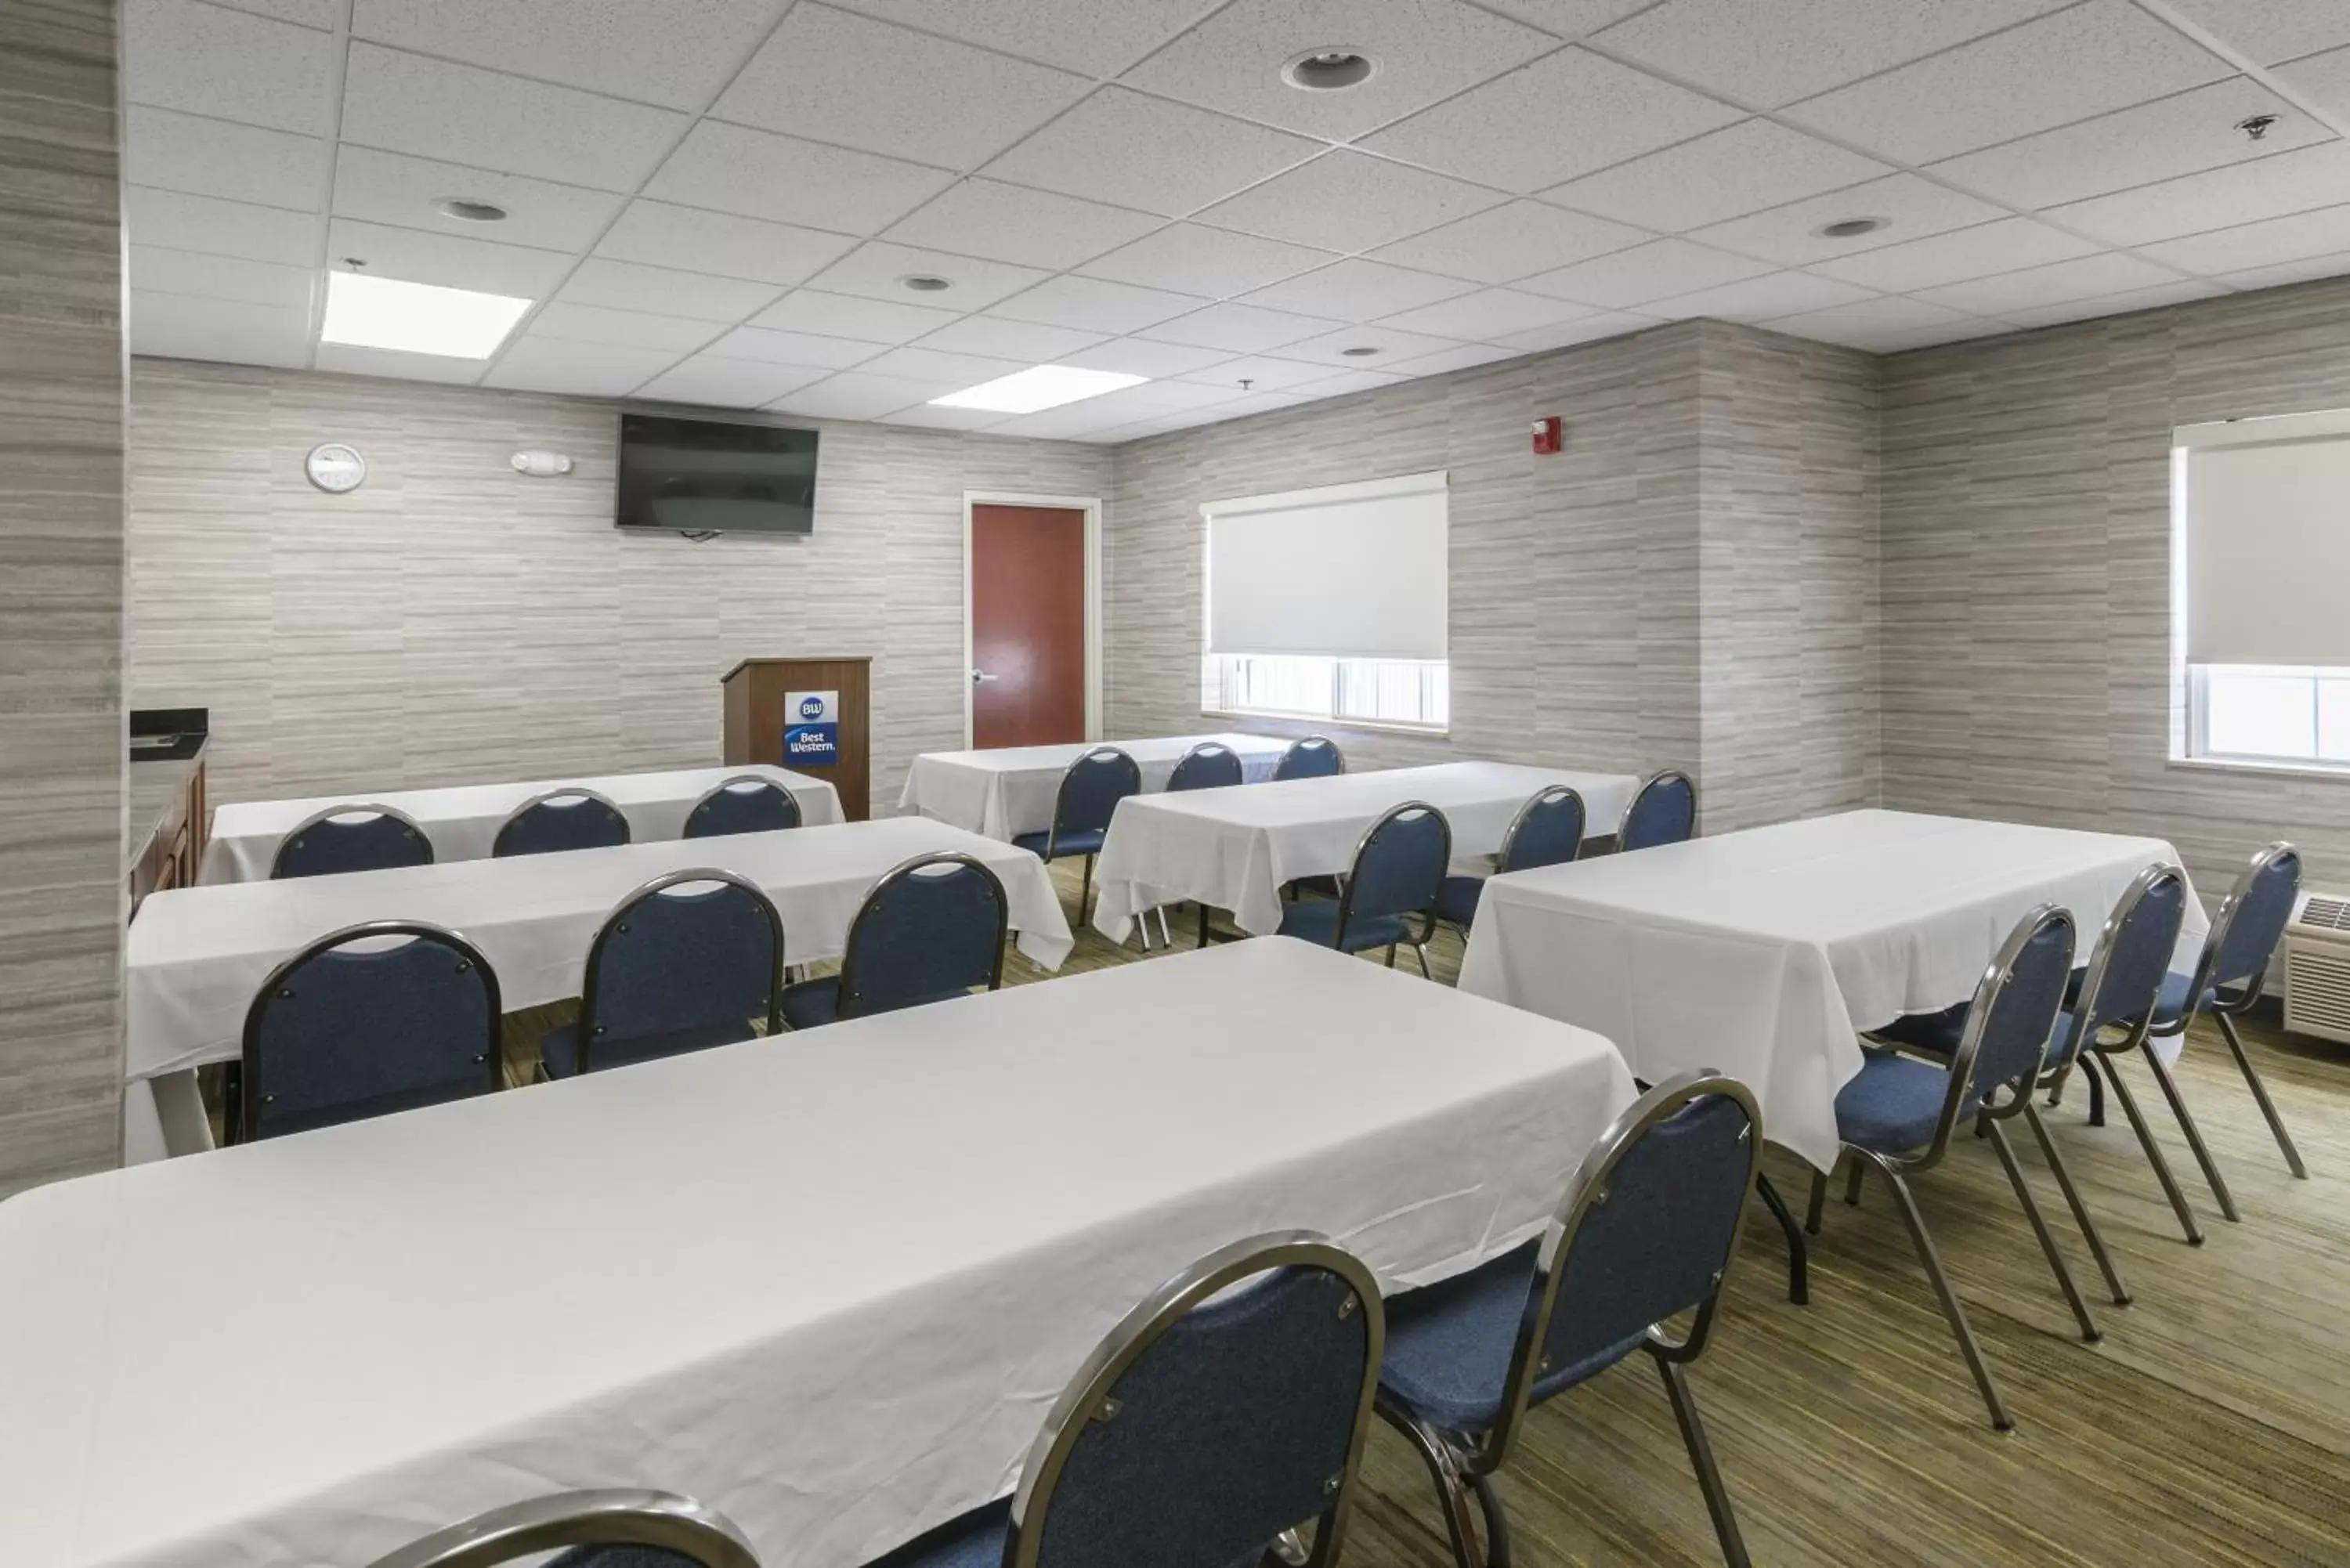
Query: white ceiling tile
(1771,52)
(2062,283)
(2324,77)
(534,364)
(1578,329)
(2160,141)
(1468,355)
(1190,258)
(1761,298)
(626,285)
(2177,292)
(852,81)
(153,269)
(1511,241)
(323,14)
(1259,402)
(1070,422)
(2276,243)
(174,152)
(1655,271)
(691,240)
(1489,313)
(808,349)
(1569,18)
(717,382)
(1357,290)
(1426,50)
(186,327)
(1264,374)
(948,372)
(874,269)
(1393,343)
(2278,274)
(1239,329)
(1741,169)
(1095,36)
(2007,246)
(227,64)
(925,416)
(2101,56)
(2270,31)
(350,359)
(1348,381)
(671,52)
(207,224)
(1161,397)
(1013,224)
(850,396)
(1790,235)
(449,261)
(431,108)
(851,315)
(734,168)
(629,328)
(1882,324)
(1092,304)
(1134,357)
(391,188)
(1562,116)
(1030,342)
(2295,182)
(1346,201)
(1121,147)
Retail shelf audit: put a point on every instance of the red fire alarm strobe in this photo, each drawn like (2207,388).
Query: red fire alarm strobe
(1546,435)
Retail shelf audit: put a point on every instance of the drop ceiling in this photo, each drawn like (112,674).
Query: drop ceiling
(715,201)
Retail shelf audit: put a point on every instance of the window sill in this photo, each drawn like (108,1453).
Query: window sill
(2339,772)
(1367,726)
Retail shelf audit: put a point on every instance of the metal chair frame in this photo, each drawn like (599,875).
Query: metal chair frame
(1354,881)
(612,1517)
(890,878)
(1548,794)
(1280,769)
(1052,834)
(567,793)
(617,921)
(1658,780)
(415,831)
(722,786)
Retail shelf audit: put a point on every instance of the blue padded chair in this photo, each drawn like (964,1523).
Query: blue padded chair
(1899,1112)
(1548,831)
(1647,1229)
(745,804)
(1210,764)
(1224,1413)
(337,1035)
(1314,757)
(1399,869)
(603,1529)
(561,819)
(674,970)
(351,839)
(1090,790)
(1663,812)
(929,930)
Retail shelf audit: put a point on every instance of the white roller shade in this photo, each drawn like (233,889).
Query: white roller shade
(2267,556)
(1348,571)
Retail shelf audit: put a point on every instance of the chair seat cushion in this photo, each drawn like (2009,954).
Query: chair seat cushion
(1449,1345)
(1936,1033)
(1891,1106)
(1457,900)
(559,1048)
(812,1001)
(1088,842)
(1318,922)
(973,1541)
(2170,1002)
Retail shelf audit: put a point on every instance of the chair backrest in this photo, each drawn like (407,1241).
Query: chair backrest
(2251,922)
(2132,956)
(1548,831)
(1663,812)
(1210,764)
(747,803)
(686,950)
(562,819)
(1399,865)
(2005,1041)
(1314,757)
(337,1034)
(931,928)
(607,1528)
(1647,1229)
(1228,1406)
(1091,788)
(351,839)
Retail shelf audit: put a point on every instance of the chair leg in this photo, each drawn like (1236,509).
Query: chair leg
(1085,891)
(2097,1090)
(1819,1201)
(2089,1332)
(2211,1176)
(2154,1157)
(1852,1183)
(1932,1260)
(1799,1288)
(1420,954)
(1443,1468)
(1700,1453)
(1204,927)
(2260,1095)
(2081,1216)
(1391,947)
(1497,1522)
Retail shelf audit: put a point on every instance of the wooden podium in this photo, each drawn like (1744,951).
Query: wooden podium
(757,717)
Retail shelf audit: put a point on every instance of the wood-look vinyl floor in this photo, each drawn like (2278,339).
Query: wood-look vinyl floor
(2209,1426)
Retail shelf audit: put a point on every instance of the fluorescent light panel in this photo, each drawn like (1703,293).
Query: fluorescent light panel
(1044,387)
(417,318)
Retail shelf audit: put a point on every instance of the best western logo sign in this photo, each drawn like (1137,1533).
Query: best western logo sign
(811,729)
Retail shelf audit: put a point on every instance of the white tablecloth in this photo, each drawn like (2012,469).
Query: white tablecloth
(196,956)
(1234,849)
(829,1285)
(1764,952)
(463,821)
(1011,790)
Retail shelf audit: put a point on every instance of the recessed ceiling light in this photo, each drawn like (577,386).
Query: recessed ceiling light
(1044,387)
(1329,70)
(925,282)
(417,318)
(1851,228)
(1364,352)
(467,209)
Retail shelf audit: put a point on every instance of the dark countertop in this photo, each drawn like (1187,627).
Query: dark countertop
(156,790)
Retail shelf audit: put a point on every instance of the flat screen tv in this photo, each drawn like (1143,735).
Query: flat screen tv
(700,477)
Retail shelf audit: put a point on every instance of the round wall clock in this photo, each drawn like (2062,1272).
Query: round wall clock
(336,468)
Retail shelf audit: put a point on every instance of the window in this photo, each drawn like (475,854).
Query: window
(1330,604)
(2270,713)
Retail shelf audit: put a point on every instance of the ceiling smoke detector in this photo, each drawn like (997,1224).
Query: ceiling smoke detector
(1851,228)
(1361,353)
(2257,127)
(465,209)
(1328,70)
(926,283)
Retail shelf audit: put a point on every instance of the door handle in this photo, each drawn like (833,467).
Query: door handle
(979,675)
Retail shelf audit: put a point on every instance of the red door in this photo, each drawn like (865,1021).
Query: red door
(1027,624)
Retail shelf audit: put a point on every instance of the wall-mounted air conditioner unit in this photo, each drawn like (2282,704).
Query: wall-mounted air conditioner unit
(2317,967)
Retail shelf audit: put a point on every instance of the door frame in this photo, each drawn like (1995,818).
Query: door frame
(1092,507)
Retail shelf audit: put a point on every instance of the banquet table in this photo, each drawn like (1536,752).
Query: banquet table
(1235,849)
(1764,952)
(1006,791)
(463,821)
(828,1283)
